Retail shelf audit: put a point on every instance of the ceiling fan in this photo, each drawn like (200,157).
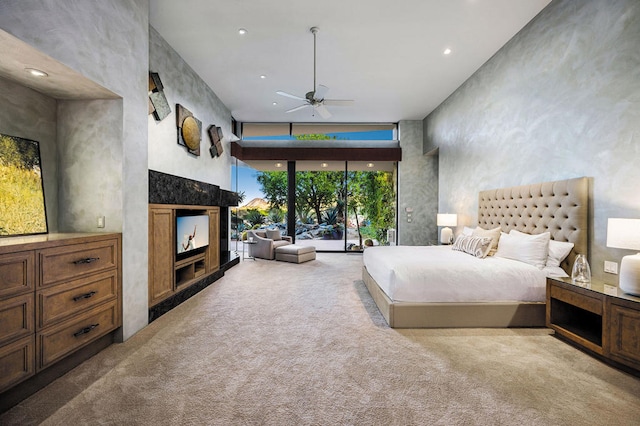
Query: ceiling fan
(315,98)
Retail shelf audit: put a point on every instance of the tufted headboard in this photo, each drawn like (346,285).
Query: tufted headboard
(560,207)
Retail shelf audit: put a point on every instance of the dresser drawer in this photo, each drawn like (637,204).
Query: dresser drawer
(16,318)
(17,271)
(58,302)
(73,261)
(17,362)
(55,342)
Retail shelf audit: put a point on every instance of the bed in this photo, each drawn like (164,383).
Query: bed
(428,286)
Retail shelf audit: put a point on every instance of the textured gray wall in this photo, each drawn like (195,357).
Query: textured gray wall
(90,153)
(560,100)
(108,42)
(31,115)
(417,188)
(183,86)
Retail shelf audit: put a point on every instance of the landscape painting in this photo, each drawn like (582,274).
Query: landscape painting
(22,208)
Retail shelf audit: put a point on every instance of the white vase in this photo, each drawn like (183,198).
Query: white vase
(581,272)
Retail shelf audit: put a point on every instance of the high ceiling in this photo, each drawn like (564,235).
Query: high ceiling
(386,55)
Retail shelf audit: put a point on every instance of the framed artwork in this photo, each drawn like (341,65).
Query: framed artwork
(158,104)
(215,135)
(189,130)
(22,206)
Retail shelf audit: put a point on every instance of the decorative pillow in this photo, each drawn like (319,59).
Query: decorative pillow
(274,234)
(494,234)
(476,246)
(531,249)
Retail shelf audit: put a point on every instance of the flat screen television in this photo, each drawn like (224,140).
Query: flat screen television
(192,232)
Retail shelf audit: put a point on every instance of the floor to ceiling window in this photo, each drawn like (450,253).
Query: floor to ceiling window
(339,205)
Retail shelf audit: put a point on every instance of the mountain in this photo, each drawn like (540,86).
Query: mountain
(256,203)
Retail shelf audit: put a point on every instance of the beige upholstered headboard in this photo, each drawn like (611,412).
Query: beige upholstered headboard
(560,207)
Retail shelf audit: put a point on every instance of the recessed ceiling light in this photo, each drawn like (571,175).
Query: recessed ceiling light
(275,103)
(324,165)
(447,51)
(36,72)
(242,31)
(278,165)
(263,76)
(369,165)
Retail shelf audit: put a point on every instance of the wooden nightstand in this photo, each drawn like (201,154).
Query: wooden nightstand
(597,317)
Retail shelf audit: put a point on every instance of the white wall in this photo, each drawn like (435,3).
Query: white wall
(560,100)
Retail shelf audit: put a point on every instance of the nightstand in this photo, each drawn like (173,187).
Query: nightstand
(597,317)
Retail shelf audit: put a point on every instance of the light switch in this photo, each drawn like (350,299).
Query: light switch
(100,221)
(611,267)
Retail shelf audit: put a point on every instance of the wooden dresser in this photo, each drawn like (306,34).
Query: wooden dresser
(58,294)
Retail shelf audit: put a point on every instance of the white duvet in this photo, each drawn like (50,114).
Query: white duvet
(440,274)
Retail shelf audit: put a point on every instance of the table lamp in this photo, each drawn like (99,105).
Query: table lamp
(625,234)
(447,220)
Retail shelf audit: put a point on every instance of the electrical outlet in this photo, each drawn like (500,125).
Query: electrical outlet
(100,221)
(611,267)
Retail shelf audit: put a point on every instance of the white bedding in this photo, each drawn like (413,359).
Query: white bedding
(440,274)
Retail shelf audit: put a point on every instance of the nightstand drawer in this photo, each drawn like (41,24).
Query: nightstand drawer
(591,304)
(624,335)
(69,262)
(62,301)
(58,341)
(16,318)
(17,362)
(17,272)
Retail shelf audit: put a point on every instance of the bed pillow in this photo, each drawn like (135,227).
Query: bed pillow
(494,234)
(531,249)
(274,234)
(554,272)
(467,231)
(476,246)
(558,250)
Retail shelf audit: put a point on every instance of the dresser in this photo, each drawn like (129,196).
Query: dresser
(58,294)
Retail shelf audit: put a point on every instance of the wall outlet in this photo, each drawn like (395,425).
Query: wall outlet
(611,267)
(100,221)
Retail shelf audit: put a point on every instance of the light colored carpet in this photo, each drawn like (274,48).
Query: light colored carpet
(277,343)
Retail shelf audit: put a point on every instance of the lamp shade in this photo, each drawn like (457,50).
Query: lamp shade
(447,219)
(623,233)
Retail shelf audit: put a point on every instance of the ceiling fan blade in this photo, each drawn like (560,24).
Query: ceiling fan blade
(324,112)
(288,95)
(298,108)
(338,102)
(320,92)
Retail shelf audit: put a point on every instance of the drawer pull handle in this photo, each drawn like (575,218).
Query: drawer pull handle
(85,330)
(84,296)
(86,260)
